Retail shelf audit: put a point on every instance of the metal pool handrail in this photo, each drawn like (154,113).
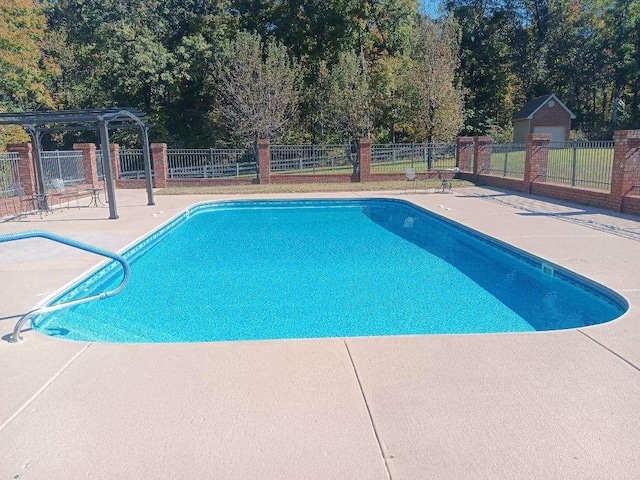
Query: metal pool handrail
(15,336)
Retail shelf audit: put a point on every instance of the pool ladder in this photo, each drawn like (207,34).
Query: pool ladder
(15,336)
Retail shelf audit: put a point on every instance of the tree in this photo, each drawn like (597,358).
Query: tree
(25,69)
(342,100)
(256,85)
(490,58)
(152,54)
(438,99)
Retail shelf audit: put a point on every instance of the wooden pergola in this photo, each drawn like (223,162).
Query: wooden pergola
(37,123)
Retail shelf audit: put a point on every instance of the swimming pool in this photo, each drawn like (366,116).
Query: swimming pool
(325,268)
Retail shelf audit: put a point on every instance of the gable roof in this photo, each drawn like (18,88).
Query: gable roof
(532,106)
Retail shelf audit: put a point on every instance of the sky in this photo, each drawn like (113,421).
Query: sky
(430,7)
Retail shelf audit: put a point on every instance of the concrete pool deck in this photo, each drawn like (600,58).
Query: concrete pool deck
(562,404)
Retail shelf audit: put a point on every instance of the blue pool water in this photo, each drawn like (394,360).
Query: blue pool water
(301,269)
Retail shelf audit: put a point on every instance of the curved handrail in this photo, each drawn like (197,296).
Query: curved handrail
(15,336)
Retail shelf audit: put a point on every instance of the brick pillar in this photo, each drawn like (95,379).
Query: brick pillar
(482,148)
(114,151)
(625,173)
(159,164)
(464,154)
(364,160)
(263,147)
(26,167)
(89,163)
(537,156)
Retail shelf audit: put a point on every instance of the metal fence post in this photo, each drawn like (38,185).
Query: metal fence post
(574,163)
(59,164)
(506,159)
(210,164)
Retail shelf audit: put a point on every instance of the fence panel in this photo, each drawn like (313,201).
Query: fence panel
(507,160)
(310,159)
(66,165)
(211,163)
(394,158)
(131,163)
(581,164)
(100,165)
(9,174)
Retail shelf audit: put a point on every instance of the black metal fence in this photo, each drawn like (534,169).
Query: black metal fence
(313,159)
(211,163)
(394,158)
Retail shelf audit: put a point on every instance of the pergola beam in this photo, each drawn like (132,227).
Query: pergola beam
(38,122)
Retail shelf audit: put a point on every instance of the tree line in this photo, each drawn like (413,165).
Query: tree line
(225,72)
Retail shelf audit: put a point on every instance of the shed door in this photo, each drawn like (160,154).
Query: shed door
(557,133)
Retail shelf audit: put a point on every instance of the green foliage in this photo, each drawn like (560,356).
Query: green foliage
(256,86)
(375,67)
(12,134)
(342,100)
(152,54)
(587,52)
(25,69)
(439,101)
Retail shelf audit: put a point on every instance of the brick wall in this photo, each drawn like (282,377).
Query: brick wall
(328,178)
(631,205)
(464,154)
(210,182)
(500,182)
(623,197)
(537,156)
(582,196)
(482,149)
(364,157)
(555,116)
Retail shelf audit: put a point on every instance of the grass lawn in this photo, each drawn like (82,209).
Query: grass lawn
(397,166)
(592,168)
(309,187)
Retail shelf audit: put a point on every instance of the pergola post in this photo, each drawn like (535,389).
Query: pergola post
(108,172)
(36,136)
(103,119)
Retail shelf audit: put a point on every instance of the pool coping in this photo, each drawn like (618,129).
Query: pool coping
(85,284)
(534,405)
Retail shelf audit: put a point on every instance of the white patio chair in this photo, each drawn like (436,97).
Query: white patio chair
(58,189)
(410,176)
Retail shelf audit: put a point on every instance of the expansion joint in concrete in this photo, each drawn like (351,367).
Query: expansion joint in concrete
(43,387)
(629,362)
(366,404)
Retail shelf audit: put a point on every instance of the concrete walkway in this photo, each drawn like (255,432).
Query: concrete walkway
(539,405)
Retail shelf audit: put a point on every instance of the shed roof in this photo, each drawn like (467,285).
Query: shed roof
(532,106)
